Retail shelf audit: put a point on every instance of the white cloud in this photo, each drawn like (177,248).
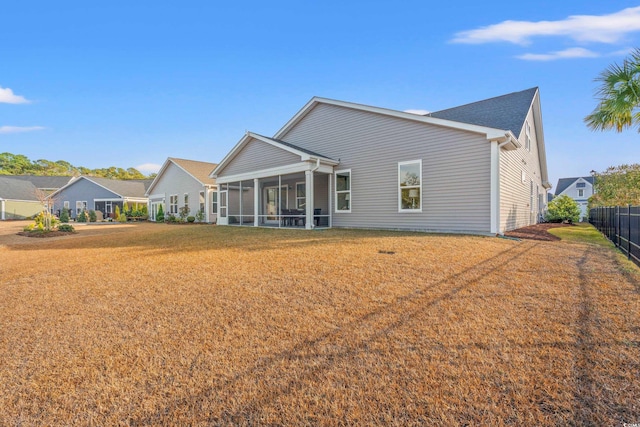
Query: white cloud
(19,129)
(148,168)
(574,52)
(582,28)
(420,112)
(8,97)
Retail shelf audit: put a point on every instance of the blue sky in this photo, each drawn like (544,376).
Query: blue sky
(128,84)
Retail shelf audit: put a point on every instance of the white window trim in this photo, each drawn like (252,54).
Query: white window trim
(335,190)
(419,209)
(214,202)
(527,132)
(304,198)
(171,204)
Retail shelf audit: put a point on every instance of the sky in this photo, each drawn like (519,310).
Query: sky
(128,84)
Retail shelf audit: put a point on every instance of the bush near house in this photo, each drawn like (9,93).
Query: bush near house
(82,217)
(563,209)
(64,215)
(160,214)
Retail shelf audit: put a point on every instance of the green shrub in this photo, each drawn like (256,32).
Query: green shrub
(200,215)
(116,214)
(563,208)
(160,214)
(29,227)
(67,228)
(82,217)
(64,215)
(92,216)
(191,219)
(122,217)
(184,213)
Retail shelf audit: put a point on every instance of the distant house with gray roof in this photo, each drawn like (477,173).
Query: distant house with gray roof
(99,194)
(47,184)
(477,168)
(579,189)
(18,199)
(184,184)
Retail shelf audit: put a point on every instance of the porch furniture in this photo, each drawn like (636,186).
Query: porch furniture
(285,217)
(298,216)
(316,219)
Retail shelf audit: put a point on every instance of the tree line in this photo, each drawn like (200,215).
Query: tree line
(18,164)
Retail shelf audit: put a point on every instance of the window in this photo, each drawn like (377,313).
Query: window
(343,191)
(66,204)
(201,197)
(580,185)
(173,204)
(580,193)
(81,206)
(214,202)
(301,195)
(531,199)
(527,136)
(410,186)
(186,199)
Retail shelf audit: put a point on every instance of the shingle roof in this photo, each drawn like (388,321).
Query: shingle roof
(16,189)
(125,188)
(45,182)
(506,112)
(295,147)
(200,170)
(564,183)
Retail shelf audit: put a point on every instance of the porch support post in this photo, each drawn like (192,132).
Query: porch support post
(308,181)
(256,202)
(495,188)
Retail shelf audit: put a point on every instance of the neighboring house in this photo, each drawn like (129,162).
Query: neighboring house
(18,199)
(181,183)
(579,189)
(47,184)
(99,194)
(479,168)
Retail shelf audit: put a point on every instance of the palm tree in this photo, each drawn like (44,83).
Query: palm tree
(619,96)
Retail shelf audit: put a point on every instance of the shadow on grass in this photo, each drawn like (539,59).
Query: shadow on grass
(327,350)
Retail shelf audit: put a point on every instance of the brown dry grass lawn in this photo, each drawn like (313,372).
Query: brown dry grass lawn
(151,324)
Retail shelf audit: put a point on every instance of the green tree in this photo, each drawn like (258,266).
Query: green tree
(617,186)
(64,215)
(619,97)
(160,214)
(563,208)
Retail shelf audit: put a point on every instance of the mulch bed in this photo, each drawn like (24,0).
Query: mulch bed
(537,232)
(44,235)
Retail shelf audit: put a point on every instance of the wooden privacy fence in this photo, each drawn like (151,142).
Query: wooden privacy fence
(621,225)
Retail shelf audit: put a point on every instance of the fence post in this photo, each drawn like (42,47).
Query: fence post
(629,235)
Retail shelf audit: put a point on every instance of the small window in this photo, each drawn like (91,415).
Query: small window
(214,202)
(410,186)
(580,193)
(343,191)
(580,185)
(201,200)
(527,136)
(66,204)
(301,196)
(186,199)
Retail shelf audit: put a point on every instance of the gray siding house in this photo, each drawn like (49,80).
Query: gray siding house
(579,189)
(478,168)
(98,194)
(181,183)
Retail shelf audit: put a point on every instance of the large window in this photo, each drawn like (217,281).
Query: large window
(301,195)
(201,199)
(410,186)
(173,204)
(343,191)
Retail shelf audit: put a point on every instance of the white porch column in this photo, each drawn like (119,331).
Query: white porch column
(256,202)
(308,181)
(2,209)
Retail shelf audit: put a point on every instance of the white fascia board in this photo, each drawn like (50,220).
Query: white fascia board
(542,153)
(230,155)
(280,170)
(160,172)
(491,134)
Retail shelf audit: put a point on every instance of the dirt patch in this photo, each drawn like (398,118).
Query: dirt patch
(537,232)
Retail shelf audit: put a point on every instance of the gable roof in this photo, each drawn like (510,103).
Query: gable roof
(564,183)
(502,112)
(133,188)
(17,189)
(44,182)
(305,155)
(196,169)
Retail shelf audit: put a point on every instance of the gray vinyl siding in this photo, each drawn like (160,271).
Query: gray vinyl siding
(258,155)
(515,209)
(455,169)
(174,180)
(82,190)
